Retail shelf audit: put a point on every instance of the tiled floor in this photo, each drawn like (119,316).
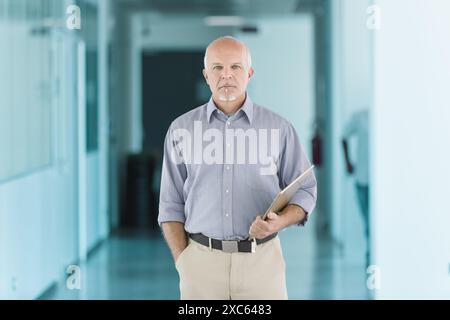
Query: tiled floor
(137,265)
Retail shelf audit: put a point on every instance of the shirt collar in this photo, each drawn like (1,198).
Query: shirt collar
(247,107)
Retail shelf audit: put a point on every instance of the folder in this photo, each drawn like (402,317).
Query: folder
(284,196)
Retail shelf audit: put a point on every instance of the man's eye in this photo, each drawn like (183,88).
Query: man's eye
(217,68)
(236,67)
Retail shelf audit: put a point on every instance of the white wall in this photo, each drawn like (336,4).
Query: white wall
(38,217)
(103,103)
(283,60)
(25,114)
(97,161)
(411,143)
(351,91)
(39,210)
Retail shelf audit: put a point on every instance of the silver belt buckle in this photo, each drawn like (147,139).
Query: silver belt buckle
(229,246)
(253,244)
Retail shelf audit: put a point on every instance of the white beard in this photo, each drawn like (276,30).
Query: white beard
(227,98)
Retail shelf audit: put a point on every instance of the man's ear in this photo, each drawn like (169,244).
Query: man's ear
(250,73)
(205,75)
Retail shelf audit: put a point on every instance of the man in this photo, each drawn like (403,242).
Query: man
(212,196)
(358,126)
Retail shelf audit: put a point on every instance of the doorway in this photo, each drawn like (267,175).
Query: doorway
(172,84)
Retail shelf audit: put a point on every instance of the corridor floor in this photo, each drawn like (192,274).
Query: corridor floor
(138,265)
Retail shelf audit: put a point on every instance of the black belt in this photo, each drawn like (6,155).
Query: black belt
(229,245)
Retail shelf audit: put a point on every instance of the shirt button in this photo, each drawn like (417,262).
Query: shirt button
(228,167)
(227,191)
(228,145)
(226,215)
(228,122)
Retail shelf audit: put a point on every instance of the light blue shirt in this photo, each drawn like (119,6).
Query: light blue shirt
(220,191)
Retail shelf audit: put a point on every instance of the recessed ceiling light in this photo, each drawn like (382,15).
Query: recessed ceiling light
(224,21)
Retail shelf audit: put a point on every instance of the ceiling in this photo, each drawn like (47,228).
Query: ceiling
(219,7)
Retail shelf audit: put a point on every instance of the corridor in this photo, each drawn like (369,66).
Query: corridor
(100,101)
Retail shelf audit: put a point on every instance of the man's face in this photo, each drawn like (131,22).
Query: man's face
(227,72)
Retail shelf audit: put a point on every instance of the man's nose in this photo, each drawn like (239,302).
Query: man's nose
(226,74)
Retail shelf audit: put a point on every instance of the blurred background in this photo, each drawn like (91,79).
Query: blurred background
(88,89)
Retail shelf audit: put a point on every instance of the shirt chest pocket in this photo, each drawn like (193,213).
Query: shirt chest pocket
(260,178)
(202,180)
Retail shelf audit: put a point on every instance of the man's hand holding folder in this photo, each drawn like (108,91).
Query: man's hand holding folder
(287,215)
(274,222)
(263,228)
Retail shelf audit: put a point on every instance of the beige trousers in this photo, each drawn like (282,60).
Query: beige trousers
(214,274)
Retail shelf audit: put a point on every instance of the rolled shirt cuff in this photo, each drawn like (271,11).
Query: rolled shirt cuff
(170,211)
(306,201)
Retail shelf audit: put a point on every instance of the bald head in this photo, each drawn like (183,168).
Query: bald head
(228,43)
(228,71)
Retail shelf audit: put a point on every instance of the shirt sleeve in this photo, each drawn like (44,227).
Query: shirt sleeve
(173,177)
(293,162)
